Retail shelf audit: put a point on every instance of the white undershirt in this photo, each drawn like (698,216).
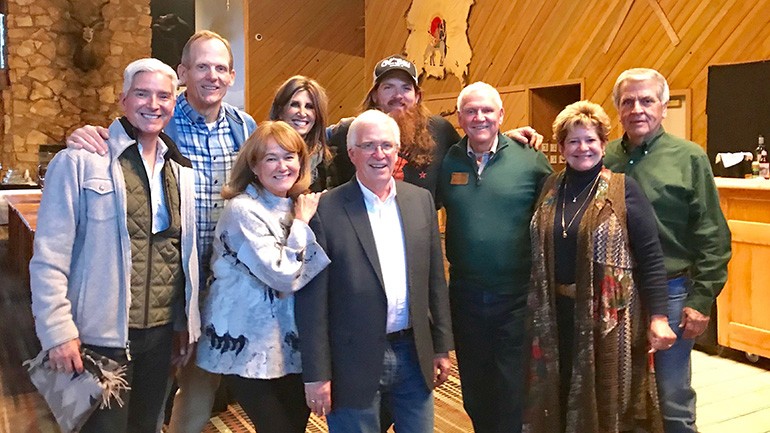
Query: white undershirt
(160,218)
(391,252)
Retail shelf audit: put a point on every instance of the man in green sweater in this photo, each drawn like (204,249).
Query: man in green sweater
(488,185)
(676,176)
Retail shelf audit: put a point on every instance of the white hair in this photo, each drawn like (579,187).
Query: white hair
(641,74)
(479,86)
(370,117)
(147,65)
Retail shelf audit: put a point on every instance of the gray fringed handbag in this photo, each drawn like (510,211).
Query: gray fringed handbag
(73,397)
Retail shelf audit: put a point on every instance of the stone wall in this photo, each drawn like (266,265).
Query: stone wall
(48,95)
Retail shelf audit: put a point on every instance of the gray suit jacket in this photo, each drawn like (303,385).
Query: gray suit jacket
(341,314)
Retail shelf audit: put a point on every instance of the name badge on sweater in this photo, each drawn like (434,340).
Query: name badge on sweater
(459,178)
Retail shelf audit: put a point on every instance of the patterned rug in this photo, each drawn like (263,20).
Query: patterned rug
(22,410)
(449,414)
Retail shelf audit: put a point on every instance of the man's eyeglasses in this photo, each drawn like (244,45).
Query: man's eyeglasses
(372,147)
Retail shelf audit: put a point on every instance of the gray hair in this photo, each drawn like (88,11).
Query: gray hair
(479,86)
(641,74)
(147,65)
(369,117)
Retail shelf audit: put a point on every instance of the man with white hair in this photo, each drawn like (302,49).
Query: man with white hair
(676,176)
(374,325)
(115,267)
(425,138)
(488,185)
(209,132)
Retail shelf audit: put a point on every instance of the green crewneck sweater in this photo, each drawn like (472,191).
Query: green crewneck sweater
(488,215)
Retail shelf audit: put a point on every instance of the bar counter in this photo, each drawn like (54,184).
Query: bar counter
(22,223)
(743,319)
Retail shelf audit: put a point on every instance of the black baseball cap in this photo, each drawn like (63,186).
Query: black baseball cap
(395,63)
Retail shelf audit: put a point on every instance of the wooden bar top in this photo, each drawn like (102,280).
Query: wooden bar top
(737,183)
(22,223)
(26,206)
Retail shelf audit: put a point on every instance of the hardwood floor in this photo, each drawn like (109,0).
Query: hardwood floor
(733,395)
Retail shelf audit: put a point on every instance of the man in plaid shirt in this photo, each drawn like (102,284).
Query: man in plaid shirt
(209,132)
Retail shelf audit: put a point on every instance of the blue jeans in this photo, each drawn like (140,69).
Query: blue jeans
(402,392)
(489,332)
(672,367)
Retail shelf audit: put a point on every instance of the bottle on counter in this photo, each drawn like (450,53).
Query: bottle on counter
(764,164)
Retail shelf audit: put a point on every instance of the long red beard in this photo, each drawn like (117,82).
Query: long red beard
(408,121)
(398,170)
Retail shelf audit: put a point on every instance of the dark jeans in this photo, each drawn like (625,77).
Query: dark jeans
(147,374)
(273,405)
(402,392)
(489,331)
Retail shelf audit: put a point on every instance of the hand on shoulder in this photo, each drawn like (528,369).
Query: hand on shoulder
(89,138)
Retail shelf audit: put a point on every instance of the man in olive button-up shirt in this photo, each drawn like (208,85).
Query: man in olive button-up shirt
(676,176)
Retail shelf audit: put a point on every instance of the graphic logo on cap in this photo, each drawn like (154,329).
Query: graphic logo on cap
(396,62)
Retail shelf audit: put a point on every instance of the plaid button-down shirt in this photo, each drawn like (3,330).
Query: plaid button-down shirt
(212,153)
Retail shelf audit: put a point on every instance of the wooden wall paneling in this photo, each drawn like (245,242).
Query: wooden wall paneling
(673,16)
(533,19)
(664,21)
(620,19)
(386,31)
(754,22)
(445,105)
(247,35)
(727,22)
(591,51)
(323,40)
(550,39)
(601,70)
(637,45)
(682,114)
(534,47)
(502,30)
(726,52)
(515,105)
(638,37)
(533,42)
(577,59)
(714,24)
(698,24)
(736,20)
(576,44)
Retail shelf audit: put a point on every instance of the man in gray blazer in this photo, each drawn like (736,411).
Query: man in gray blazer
(374,326)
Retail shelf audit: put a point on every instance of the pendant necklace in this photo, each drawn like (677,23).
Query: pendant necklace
(575,197)
(564,226)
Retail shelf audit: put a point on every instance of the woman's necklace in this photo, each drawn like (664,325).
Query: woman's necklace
(565,227)
(575,197)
